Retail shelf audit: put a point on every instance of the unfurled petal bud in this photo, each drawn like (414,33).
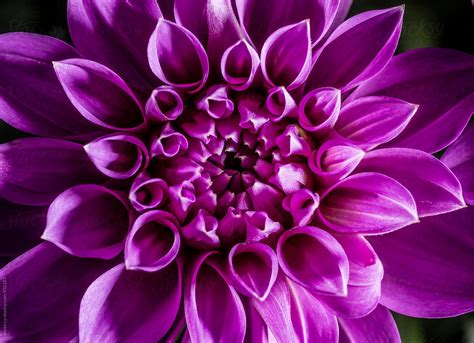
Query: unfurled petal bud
(252,114)
(177,57)
(118,156)
(216,102)
(302,205)
(200,233)
(374,120)
(239,65)
(99,94)
(147,193)
(325,269)
(253,269)
(181,197)
(259,226)
(164,104)
(232,226)
(367,203)
(88,221)
(286,56)
(292,143)
(168,143)
(335,160)
(266,198)
(153,243)
(319,109)
(280,103)
(292,177)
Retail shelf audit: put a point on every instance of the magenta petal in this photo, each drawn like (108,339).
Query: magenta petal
(311,321)
(259,226)
(99,94)
(46,302)
(301,205)
(168,143)
(279,13)
(153,242)
(428,266)
(266,198)
(459,157)
(101,32)
(368,203)
(319,109)
(239,64)
(371,121)
(335,160)
(286,56)
(200,232)
(177,57)
(253,268)
(440,81)
(291,142)
(256,330)
(147,193)
(207,299)
(275,311)
(216,102)
(88,221)
(119,156)
(31,97)
(164,104)
(326,268)
(33,171)
(152,301)
(357,50)
(378,326)
(280,103)
(434,187)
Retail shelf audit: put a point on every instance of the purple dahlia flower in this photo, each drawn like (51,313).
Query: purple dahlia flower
(229,171)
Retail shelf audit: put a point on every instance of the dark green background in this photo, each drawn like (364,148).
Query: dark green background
(428,23)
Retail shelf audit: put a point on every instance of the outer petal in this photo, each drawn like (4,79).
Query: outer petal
(460,158)
(208,299)
(286,56)
(371,121)
(177,57)
(99,94)
(88,221)
(46,302)
(31,97)
(276,311)
(357,50)
(33,171)
(326,267)
(311,321)
(434,187)
(279,13)
(440,81)
(428,266)
(368,203)
(116,33)
(378,326)
(151,301)
(239,64)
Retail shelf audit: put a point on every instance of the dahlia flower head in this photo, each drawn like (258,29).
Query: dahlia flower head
(230,171)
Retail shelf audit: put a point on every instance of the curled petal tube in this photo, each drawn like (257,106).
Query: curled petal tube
(326,267)
(319,109)
(119,156)
(216,102)
(181,197)
(153,242)
(259,226)
(239,65)
(291,142)
(302,205)
(253,269)
(335,160)
(164,104)
(168,143)
(280,103)
(201,231)
(147,193)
